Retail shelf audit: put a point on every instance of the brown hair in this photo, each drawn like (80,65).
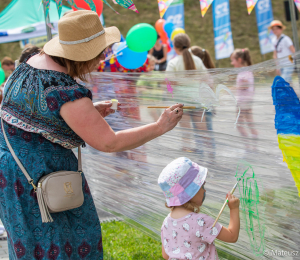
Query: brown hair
(182,42)
(7,61)
(204,56)
(188,205)
(76,69)
(244,54)
(28,51)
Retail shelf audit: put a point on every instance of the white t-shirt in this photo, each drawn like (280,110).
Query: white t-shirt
(282,49)
(177,63)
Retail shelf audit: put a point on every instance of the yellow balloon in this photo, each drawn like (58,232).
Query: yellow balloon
(176,31)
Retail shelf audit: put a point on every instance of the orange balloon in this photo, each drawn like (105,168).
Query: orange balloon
(159,26)
(164,38)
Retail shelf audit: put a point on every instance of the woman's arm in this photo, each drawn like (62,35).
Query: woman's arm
(292,48)
(165,50)
(83,118)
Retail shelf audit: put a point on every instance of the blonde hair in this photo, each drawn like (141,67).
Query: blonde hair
(188,205)
(182,42)
(204,56)
(76,69)
(244,54)
(151,58)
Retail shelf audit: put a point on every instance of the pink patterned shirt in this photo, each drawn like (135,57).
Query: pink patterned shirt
(190,237)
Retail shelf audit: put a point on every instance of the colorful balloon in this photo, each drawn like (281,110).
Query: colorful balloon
(130,59)
(164,38)
(82,4)
(159,26)
(176,31)
(169,28)
(141,37)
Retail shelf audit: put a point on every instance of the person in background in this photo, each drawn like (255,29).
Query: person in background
(245,90)
(185,59)
(160,53)
(8,65)
(204,55)
(30,49)
(283,47)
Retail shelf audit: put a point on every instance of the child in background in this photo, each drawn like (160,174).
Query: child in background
(185,59)
(204,55)
(186,233)
(245,90)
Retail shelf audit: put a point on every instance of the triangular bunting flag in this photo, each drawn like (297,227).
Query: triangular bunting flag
(250,5)
(59,6)
(91,4)
(204,5)
(47,6)
(128,4)
(297,3)
(104,1)
(163,6)
(72,3)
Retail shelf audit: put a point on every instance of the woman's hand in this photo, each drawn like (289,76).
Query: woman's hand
(103,107)
(170,117)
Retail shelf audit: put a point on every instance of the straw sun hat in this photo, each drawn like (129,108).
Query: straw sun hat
(81,37)
(276,23)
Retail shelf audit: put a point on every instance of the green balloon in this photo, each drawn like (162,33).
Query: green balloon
(2,76)
(141,37)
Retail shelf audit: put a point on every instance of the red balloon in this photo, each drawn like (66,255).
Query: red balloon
(164,38)
(82,4)
(159,26)
(169,47)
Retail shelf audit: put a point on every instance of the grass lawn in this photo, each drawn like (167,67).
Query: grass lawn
(121,241)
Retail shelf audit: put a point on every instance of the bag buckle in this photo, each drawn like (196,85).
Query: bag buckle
(34,187)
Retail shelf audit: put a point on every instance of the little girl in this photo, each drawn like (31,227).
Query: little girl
(245,90)
(186,233)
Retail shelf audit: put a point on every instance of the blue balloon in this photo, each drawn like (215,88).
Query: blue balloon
(130,59)
(171,44)
(169,28)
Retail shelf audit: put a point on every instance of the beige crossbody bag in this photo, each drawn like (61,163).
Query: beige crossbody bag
(56,191)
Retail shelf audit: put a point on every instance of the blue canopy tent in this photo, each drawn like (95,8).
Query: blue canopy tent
(25,19)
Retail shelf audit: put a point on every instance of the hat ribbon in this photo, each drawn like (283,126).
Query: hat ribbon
(83,40)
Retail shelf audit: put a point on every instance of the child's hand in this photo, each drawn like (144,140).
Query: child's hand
(233,202)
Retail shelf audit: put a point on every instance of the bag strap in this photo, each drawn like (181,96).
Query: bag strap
(29,179)
(279,42)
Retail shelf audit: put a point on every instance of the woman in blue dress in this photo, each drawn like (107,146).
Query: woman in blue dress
(46,113)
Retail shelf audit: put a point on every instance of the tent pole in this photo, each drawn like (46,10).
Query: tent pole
(294,25)
(295,36)
(47,21)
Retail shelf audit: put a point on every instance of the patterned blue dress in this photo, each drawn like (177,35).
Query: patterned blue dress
(42,141)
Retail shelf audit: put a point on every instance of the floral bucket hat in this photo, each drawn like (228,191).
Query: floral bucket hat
(180,180)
